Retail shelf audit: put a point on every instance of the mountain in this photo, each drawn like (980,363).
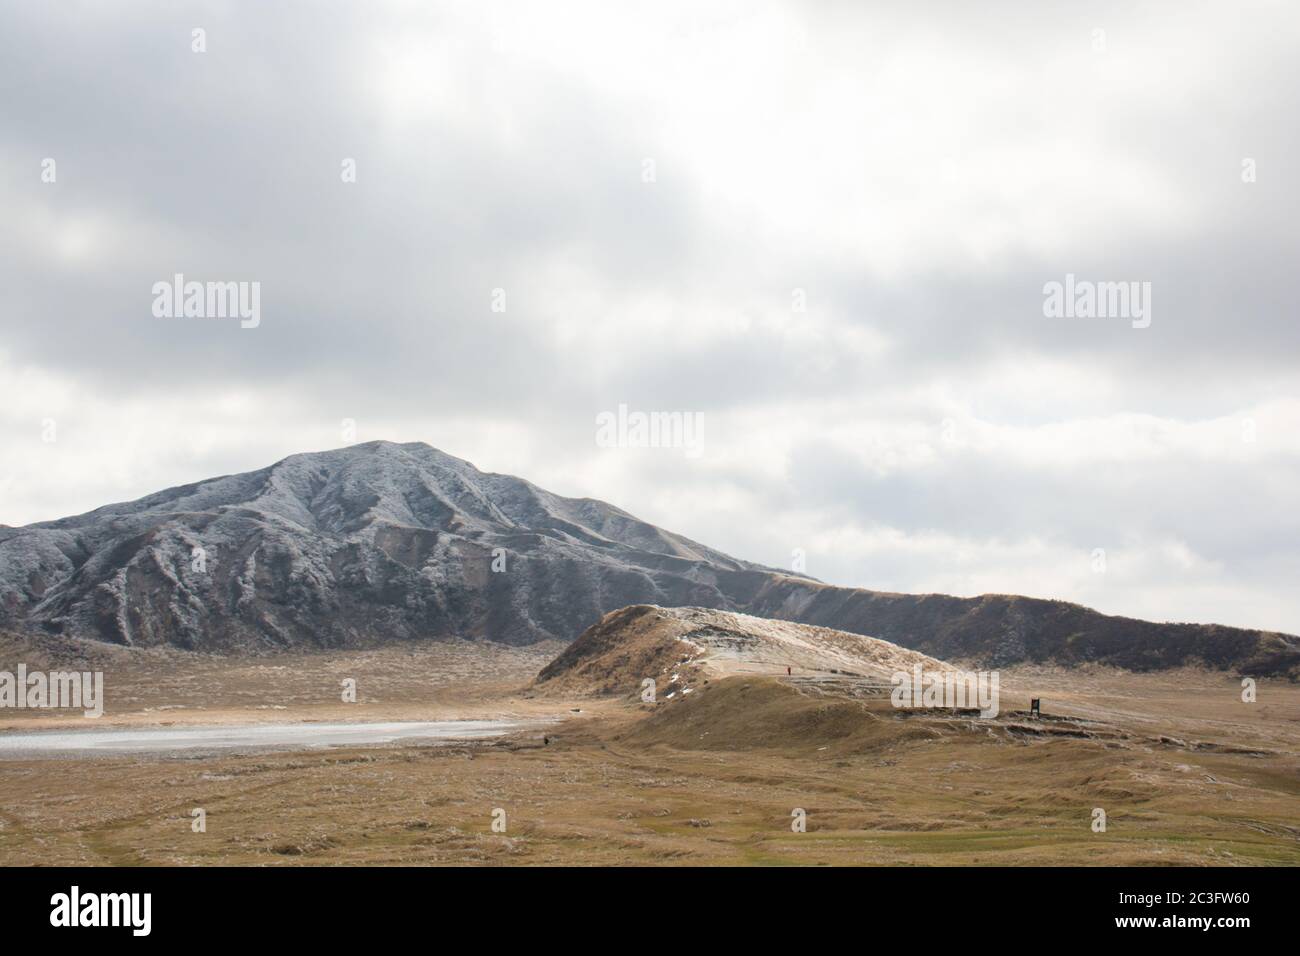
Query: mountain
(999,630)
(382,541)
(375,542)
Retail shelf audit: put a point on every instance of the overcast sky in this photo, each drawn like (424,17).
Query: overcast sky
(650,184)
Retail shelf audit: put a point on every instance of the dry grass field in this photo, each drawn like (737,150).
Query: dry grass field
(1186,772)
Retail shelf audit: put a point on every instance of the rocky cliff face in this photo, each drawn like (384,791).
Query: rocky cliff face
(383,542)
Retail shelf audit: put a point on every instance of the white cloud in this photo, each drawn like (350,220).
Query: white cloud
(918,175)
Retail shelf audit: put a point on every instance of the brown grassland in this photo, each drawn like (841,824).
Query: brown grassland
(1186,772)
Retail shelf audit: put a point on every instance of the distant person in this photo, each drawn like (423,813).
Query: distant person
(787,670)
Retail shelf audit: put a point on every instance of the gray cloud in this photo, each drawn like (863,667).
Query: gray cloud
(919,177)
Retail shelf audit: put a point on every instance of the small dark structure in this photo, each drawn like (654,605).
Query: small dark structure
(1035,707)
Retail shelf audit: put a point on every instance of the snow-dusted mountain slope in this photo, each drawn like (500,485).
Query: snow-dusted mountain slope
(382,542)
(375,542)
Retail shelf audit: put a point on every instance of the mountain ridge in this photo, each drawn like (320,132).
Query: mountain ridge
(393,539)
(385,541)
